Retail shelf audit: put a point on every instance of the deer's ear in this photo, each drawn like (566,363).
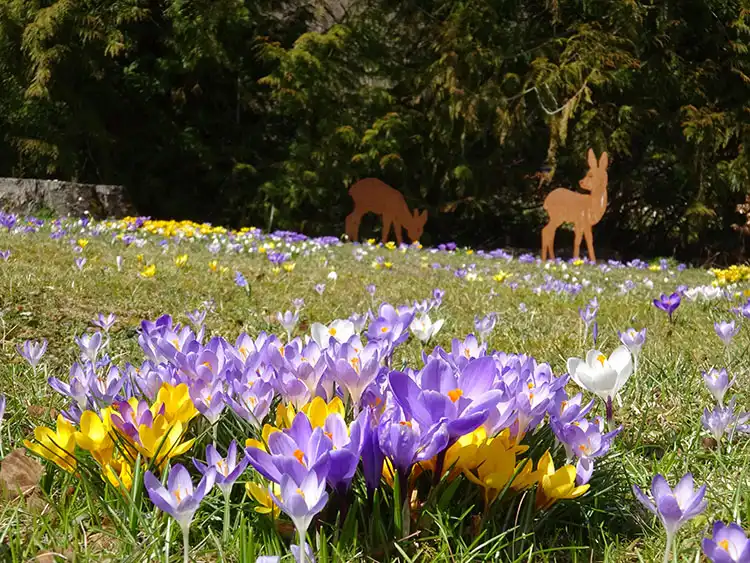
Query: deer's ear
(415,213)
(603,161)
(424,216)
(592,159)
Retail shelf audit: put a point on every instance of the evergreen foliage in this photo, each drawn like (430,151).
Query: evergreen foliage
(224,109)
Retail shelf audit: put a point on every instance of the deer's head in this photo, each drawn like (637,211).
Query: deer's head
(595,179)
(415,228)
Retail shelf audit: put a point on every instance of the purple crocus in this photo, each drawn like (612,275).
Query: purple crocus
(405,441)
(104,322)
(668,303)
(301,500)
(719,420)
(485,325)
(294,450)
(633,340)
(80,263)
(32,351)
(179,499)
(90,345)
(227,469)
(298,303)
(461,400)
(673,507)
(370,288)
(240,280)
(726,331)
(197,317)
(728,544)
(320,288)
(718,383)
(288,321)
(354,369)
(5,255)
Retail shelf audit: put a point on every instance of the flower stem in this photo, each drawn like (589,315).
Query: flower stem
(610,413)
(186,543)
(302,554)
(668,549)
(227,493)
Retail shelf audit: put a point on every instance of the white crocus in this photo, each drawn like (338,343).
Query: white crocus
(424,329)
(601,375)
(341,330)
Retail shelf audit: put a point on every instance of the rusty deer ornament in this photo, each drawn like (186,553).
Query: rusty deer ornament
(584,211)
(372,195)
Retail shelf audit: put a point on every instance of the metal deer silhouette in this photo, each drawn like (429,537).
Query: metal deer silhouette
(372,195)
(584,211)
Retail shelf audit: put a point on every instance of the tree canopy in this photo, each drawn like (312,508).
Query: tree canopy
(223,110)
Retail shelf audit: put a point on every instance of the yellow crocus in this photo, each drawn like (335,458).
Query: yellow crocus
(494,466)
(82,242)
(556,485)
(501,276)
(284,415)
(149,271)
(317,410)
(213,265)
(288,266)
(178,406)
(266,432)
(266,505)
(461,455)
(162,440)
(119,473)
(181,260)
(390,245)
(58,445)
(94,436)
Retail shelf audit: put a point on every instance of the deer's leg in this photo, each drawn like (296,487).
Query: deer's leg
(352,225)
(548,240)
(589,236)
(577,241)
(398,229)
(387,222)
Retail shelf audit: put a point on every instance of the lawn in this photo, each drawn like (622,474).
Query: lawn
(241,281)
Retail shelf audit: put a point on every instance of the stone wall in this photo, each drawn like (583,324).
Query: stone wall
(29,196)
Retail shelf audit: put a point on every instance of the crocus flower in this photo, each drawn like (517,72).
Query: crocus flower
(58,445)
(298,303)
(89,345)
(633,340)
(557,484)
(227,469)
(718,383)
(728,544)
(288,320)
(726,331)
(484,325)
(355,369)
(320,288)
(197,317)
(80,262)
(32,352)
(461,400)
(601,375)
(104,322)
(340,330)
(370,288)
(301,500)
(240,280)
(118,263)
(424,329)
(179,499)
(668,303)
(719,420)
(673,507)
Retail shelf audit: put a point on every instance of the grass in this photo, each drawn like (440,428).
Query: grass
(43,295)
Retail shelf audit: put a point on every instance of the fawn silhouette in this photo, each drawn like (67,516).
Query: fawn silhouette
(370,195)
(584,211)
